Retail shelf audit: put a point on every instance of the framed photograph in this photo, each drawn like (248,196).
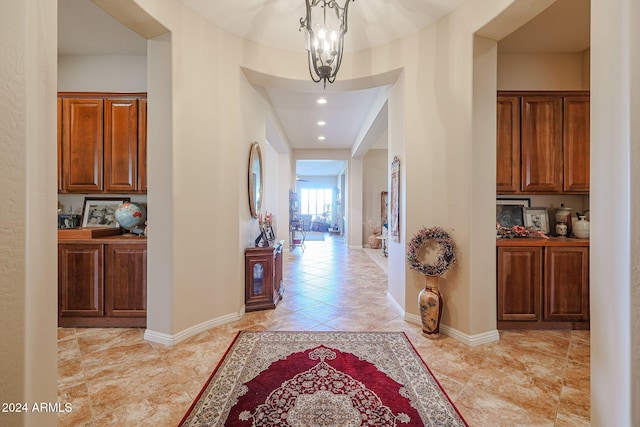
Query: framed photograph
(100,211)
(509,211)
(268,233)
(394,224)
(384,208)
(537,218)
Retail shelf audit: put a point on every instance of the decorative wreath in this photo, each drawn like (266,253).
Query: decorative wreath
(446,251)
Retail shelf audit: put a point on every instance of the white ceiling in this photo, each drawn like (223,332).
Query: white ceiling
(276,22)
(85,29)
(305,168)
(343,114)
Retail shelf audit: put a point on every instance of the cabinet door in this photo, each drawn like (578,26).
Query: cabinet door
(121,145)
(80,280)
(566,284)
(126,280)
(59,144)
(541,144)
(142,145)
(519,283)
(82,144)
(508,145)
(576,144)
(259,286)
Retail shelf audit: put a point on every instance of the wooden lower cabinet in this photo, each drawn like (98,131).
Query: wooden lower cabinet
(519,283)
(80,281)
(102,284)
(125,270)
(263,277)
(566,284)
(543,287)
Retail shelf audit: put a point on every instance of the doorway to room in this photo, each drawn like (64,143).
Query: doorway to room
(316,208)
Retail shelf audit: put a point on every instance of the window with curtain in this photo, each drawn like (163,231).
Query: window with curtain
(316,201)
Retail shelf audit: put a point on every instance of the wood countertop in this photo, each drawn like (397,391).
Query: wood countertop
(120,239)
(552,241)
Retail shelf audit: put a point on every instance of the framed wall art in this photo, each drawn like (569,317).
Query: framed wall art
(384,209)
(394,221)
(101,211)
(509,211)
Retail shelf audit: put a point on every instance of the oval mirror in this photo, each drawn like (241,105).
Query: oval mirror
(255,180)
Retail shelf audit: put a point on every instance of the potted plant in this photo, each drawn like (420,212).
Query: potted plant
(374,229)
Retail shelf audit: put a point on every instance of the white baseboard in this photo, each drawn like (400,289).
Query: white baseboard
(355,246)
(470,340)
(169,340)
(397,306)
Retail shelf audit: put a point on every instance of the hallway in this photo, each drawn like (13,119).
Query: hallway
(114,377)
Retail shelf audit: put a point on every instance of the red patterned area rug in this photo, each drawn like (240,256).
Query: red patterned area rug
(314,379)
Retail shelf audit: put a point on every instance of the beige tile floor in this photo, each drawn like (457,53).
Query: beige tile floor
(112,377)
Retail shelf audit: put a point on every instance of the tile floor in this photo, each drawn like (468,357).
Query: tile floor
(113,377)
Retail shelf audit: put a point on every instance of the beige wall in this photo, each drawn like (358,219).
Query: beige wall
(102,73)
(28,242)
(542,71)
(375,181)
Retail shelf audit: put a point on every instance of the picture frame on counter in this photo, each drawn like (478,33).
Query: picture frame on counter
(537,218)
(509,211)
(100,211)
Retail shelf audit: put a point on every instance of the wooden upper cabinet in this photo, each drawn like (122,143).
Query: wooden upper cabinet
(576,144)
(82,144)
(121,145)
(541,144)
(142,145)
(102,139)
(508,149)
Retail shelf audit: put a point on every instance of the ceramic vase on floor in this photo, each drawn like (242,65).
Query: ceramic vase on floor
(430,303)
(374,242)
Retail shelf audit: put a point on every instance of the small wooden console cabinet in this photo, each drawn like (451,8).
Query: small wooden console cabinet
(263,277)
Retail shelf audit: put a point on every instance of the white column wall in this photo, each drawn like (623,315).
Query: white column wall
(615,174)
(28,236)
(354,203)
(160,193)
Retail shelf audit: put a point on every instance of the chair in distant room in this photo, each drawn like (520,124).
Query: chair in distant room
(306,222)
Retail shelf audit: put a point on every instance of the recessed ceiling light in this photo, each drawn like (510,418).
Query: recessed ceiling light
(321,123)
(321,101)
(321,138)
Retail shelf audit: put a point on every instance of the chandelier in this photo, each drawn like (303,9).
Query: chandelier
(325,27)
